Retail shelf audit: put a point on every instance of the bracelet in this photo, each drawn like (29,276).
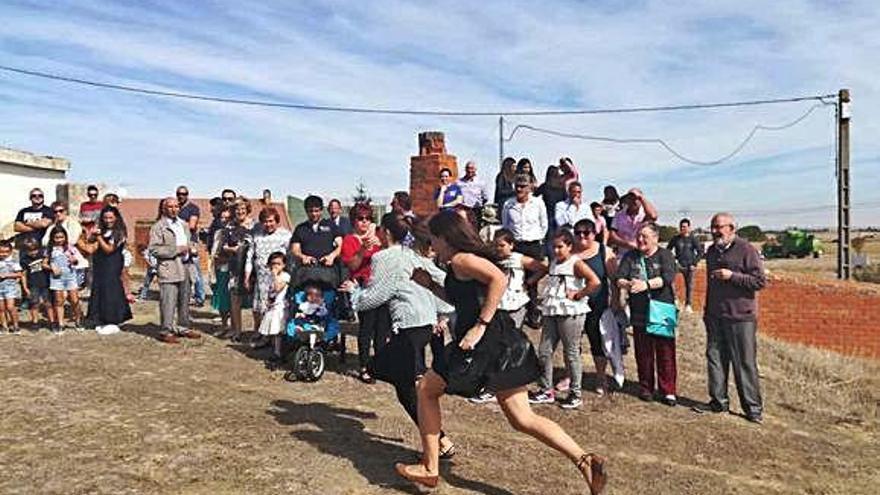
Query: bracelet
(481,321)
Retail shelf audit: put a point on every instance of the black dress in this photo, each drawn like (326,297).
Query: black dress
(502,360)
(107,303)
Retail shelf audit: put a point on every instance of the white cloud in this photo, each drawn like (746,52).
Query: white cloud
(462,55)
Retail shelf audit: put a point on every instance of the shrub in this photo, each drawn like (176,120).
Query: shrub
(752,233)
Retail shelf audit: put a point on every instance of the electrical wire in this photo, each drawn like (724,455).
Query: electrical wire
(606,139)
(393,111)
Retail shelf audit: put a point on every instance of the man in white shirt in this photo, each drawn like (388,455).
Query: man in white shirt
(573,209)
(526,217)
(473,190)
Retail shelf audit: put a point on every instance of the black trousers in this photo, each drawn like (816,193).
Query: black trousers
(535,250)
(375,328)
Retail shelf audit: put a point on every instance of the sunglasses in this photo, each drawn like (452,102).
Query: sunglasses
(93,193)
(58,211)
(360,219)
(36,195)
(228,200)
(183,194)
(582,233)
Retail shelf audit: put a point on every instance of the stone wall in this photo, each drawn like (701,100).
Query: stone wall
(424,171)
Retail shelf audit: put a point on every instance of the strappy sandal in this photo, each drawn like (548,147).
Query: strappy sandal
(448,453)
(421,480)
(597,475)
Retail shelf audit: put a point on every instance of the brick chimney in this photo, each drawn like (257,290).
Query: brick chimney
(424,171)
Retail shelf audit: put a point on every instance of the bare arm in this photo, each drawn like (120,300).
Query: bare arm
(471,266)
(583,271)
(650,210)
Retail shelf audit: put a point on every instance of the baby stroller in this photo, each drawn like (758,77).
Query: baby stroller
(312,336)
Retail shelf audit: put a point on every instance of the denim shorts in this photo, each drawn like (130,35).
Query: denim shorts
(65,281)
(38,296)
(10,289)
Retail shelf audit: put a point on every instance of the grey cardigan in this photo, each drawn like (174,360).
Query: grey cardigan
(163,245)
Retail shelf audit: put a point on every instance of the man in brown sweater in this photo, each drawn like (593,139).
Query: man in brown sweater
(735,274)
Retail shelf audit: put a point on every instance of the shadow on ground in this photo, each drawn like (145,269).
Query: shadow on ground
(341,433)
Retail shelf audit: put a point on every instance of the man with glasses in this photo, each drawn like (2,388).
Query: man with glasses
(735,274)
(190,213)
(573,209)
(525,216)
(32,221)
(90,210)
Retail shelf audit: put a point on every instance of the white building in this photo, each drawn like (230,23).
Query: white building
(20,172)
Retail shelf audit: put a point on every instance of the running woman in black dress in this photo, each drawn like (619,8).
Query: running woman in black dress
(488,351)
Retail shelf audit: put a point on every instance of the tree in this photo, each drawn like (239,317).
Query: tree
(360,193)
(667,232)
(752,233)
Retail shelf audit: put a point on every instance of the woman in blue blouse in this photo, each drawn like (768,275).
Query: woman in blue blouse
(448,195)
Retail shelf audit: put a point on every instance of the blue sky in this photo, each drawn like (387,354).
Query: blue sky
(450,55)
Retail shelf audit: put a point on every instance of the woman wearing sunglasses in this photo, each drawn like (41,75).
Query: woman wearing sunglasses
(357,252)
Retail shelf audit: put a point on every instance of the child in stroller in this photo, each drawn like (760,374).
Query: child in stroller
(312,330)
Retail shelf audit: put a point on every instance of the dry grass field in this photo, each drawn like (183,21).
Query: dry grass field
(825,267)
(126,414)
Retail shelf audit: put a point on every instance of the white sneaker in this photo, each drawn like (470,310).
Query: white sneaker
(619,379)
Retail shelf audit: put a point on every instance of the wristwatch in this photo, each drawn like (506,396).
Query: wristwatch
(481,321)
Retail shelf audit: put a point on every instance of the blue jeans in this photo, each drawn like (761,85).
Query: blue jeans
(148,280)
(195,274)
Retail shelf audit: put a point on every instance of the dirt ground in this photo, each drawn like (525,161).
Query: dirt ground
(125,413)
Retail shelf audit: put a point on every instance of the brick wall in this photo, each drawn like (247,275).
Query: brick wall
(835,315)
(424,171)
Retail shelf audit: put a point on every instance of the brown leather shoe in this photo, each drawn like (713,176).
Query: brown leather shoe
(190,334)
(168,338)
(423,480)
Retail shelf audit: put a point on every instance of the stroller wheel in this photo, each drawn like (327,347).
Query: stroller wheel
(301,362)
(315,367)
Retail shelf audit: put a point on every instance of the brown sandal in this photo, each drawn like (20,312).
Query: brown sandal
(425,481)
(598,477)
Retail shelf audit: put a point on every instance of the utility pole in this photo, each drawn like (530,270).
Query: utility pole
(843,202)
(500,141)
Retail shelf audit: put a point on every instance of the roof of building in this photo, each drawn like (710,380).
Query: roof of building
(30,160)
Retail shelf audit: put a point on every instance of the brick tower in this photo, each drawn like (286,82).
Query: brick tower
(424,171)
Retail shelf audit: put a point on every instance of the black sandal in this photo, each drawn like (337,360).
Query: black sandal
(598,476)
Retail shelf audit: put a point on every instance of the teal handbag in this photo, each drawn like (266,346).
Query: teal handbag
(662,316)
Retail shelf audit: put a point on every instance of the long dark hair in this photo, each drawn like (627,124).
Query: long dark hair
(119,230)
(460,234)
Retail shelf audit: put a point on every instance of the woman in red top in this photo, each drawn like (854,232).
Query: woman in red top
(357,250)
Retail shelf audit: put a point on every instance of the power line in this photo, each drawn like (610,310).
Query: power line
(393,111)
(667,146)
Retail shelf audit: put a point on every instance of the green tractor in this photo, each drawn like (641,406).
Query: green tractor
(792,243)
